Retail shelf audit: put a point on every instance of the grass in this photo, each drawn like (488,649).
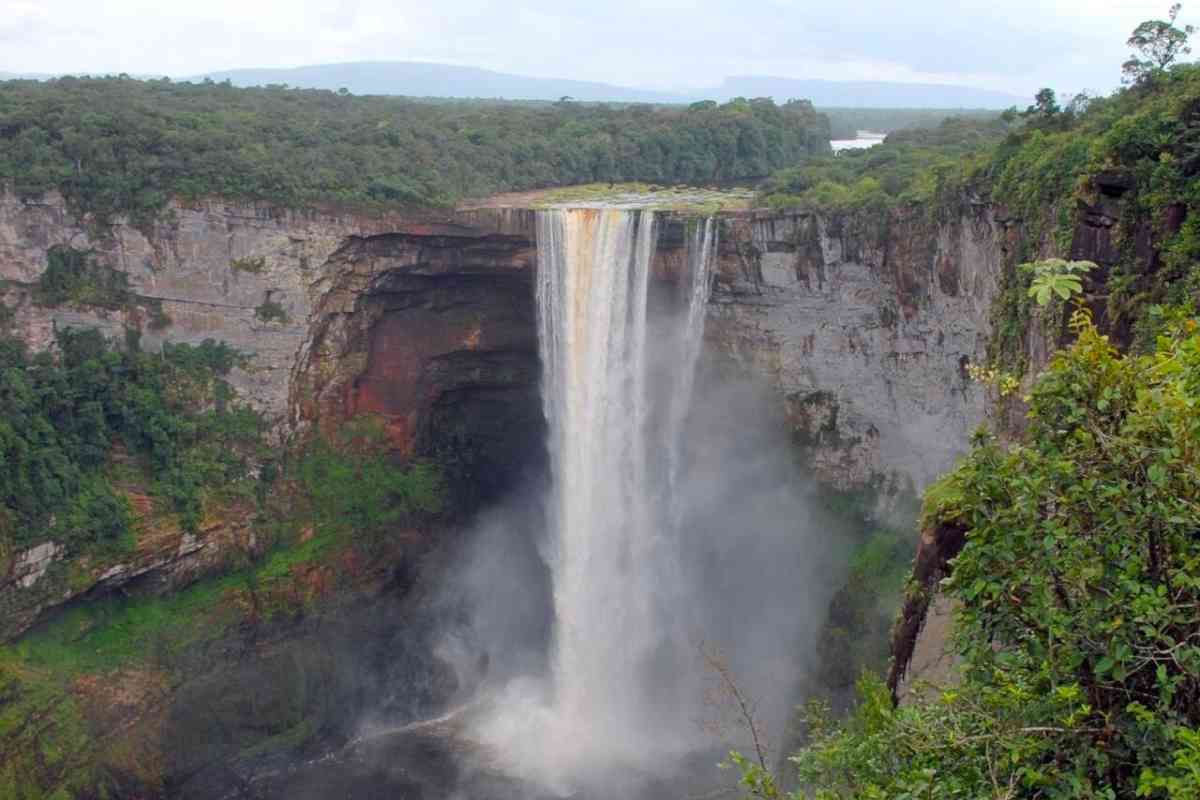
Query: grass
(104,635)
(686,199)
(48,740)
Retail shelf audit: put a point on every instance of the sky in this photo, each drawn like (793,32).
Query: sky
(1015,45)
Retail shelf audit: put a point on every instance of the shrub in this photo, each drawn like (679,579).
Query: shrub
(1078,592)
(74,276)
(352,483)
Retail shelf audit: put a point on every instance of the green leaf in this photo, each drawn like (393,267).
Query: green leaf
(1157,474)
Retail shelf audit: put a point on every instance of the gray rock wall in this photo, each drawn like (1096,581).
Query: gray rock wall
(866,342)
(863,333)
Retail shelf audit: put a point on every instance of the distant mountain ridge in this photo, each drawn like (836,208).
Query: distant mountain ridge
(868,94)
(422,79)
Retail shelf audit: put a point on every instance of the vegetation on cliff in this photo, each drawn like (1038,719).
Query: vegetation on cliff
(73,423)
(1070,550)
(1078,620)
(88,704)
(1132,158)
(124,146)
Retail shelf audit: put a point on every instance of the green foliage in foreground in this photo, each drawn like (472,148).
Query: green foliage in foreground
(1079,593)
(65,415)
(124,146)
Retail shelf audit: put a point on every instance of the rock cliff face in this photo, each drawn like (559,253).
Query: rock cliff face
(429,322)
(865,336)
(1101,234)
(435,332)
(442,307)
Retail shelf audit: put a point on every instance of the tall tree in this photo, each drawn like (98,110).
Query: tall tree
(1159,44)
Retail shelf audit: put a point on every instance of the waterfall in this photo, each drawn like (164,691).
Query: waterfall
(673,520)
(701,246)
(616,387)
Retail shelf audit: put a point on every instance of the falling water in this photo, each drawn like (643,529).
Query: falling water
(616,389)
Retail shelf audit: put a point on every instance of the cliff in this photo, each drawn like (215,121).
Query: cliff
(428,322)
(264,281)
(1102,232)
(866,338)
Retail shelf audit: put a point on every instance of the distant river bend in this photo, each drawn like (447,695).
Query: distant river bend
(862,141)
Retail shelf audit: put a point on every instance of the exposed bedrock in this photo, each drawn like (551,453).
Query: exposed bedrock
(429,323)
(865,336)
(437,336)
(861,327)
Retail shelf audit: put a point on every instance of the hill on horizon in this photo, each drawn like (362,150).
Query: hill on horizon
(422,79)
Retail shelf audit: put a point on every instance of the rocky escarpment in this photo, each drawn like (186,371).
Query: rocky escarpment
(435,333)
(429,323)
(268,282)
(865,337)
(1103,233)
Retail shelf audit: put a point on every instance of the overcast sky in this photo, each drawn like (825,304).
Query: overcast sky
(1014,45)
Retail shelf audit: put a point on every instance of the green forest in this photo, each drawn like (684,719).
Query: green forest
(125,146)
(845,123)
(79,424)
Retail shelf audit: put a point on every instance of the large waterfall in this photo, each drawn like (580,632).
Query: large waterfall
(674,529)
(617,384)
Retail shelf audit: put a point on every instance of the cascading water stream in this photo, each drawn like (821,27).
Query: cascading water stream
(701,246)
(616,389)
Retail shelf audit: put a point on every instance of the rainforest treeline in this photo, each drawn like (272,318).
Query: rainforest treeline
(125,146)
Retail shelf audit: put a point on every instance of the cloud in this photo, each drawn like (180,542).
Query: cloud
(1018,45)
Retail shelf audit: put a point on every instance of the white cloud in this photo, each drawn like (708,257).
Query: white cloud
(1017,45)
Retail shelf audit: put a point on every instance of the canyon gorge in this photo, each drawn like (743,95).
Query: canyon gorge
(471,447)
(852,337)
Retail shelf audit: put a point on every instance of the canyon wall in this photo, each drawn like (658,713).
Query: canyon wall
(428,321)
(865,333)
(274,284)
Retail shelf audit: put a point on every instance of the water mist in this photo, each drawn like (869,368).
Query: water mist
(674,516)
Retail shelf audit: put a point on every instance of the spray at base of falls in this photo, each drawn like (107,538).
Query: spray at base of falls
(616,388)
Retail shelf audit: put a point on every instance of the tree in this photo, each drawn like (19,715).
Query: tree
(1078,598)
(1045,105)
(755,772)
(1159,43)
